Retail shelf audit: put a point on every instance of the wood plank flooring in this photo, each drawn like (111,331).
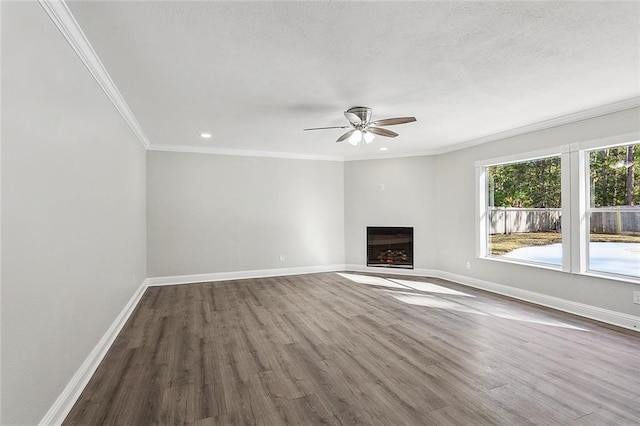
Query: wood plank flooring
(324,349)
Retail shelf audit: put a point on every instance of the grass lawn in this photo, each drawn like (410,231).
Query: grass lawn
(502,244)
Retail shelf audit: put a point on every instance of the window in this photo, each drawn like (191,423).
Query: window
(613,210)
(524,210)
(575,208)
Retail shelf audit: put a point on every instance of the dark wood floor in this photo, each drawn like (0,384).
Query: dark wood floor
(323,349)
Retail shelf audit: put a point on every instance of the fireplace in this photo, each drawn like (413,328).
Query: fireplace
(390,247)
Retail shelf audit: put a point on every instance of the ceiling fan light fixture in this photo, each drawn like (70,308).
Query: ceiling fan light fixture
(363,130)
(368,137)
(355,138)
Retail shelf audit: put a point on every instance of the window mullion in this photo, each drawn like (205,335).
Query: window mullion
(566,179)
(579,215)
(482,208)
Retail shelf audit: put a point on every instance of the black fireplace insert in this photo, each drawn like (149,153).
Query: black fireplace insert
(390,247)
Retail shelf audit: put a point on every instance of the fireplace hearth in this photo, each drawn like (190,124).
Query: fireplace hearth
(390,247)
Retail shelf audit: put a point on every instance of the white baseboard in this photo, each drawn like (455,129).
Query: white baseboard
(391,271)
(240,275)
(61,407)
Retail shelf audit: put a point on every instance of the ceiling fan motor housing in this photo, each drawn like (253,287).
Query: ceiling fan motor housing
(363,113)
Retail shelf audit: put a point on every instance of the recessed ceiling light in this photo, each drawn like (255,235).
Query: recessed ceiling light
(383,149)
(205,135)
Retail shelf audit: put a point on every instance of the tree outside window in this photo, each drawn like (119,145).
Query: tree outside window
(524,206)
(614,210)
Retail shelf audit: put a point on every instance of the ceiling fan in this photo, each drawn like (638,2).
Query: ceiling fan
(363,129)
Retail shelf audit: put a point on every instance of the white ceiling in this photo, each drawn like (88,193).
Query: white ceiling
(254,74)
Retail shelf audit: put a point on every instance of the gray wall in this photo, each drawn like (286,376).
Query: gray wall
(74,224)
(436,195)
(73,213)
(455,217)
(408,199)
(210,213)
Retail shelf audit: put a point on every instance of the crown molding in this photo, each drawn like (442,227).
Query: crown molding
(390,156)
(242,152)
(61,16)
(545,124)
(529,128)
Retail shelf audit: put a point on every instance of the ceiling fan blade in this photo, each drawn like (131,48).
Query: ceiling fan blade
(332,127)
(393,121)
(353,118)
(346,135)
(382,132)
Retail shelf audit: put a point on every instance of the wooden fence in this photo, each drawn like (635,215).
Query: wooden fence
(511,220)
(615,222)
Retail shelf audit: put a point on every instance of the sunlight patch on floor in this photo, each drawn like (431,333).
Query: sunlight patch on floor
(440,303)
(534,320)
(397,283)
(432,302)
(368,280)
(430,287)
(436,301)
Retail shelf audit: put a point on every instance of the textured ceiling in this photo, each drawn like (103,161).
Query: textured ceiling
(254,74)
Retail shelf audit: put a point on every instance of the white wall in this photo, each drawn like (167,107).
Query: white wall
(209,213)
(408,199)
(455,216)
(73,218)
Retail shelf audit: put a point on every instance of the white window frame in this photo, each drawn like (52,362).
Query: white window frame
(482,204)
(575,203)
(586,189)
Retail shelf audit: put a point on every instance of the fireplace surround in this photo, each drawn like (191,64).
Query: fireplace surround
(390,247)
